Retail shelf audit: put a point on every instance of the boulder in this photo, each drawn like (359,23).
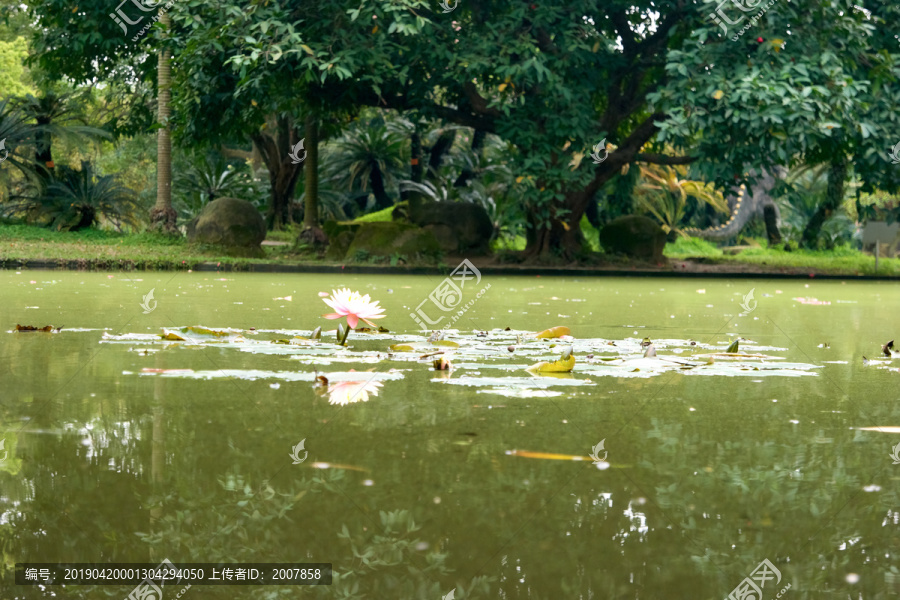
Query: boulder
(635,236)
(386,238)
(459,227)
(235,225)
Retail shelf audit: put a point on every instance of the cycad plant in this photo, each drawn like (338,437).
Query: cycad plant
(369,158)
(75,200)
(16,140)
(663,192)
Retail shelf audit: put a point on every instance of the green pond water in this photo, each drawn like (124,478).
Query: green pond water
(484,481)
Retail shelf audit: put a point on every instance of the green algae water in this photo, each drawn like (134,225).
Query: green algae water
(693,474)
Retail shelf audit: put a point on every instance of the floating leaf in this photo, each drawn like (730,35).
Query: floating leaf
(546,455)
(554,332)
(46,329)
(558,366)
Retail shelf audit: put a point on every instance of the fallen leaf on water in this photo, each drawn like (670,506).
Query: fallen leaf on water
(554,332)
(325,465)
(885,429)
(546,455)
(47,328)
(564,365)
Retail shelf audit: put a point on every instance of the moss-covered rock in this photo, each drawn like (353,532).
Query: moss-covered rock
(234,225)
(387,238)
(334,228)
(634,236)
(460,227)
(338,245)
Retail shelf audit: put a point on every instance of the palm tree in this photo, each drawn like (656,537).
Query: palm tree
(163,216)
(662,191)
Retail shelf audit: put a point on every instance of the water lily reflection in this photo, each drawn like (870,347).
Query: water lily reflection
(346,392)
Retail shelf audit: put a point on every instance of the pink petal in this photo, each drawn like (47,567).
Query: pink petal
(323,294)
(332,316)
(352,321)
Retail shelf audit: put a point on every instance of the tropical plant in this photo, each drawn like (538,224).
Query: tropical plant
(56,115)
(206,179)
(663,192)
(369,157)
(805,189)
(16,140)
(75,200)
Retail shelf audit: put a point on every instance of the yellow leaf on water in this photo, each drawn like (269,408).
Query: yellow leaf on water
(546,455)
(554,332)
(884,429)
(557,366)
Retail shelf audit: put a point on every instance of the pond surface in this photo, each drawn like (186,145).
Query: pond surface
(488,480)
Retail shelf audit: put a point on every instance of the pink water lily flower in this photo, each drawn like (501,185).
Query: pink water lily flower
(347,392)
(353,306)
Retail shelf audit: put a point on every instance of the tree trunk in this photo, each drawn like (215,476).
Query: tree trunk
(283,171)
(311,211)
(563,238)
(376,180)
(163,216)
(771,219)
(477,145)
(311,233)
(416,173)
(834,196)
(43,146)
(441,146)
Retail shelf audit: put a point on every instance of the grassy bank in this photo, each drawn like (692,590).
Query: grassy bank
(841,259)
(93,249)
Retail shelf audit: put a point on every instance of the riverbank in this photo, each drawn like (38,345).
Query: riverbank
(23,247)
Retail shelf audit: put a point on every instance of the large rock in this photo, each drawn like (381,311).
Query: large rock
(459,227)
(384,239)
(235,225)
(634,236)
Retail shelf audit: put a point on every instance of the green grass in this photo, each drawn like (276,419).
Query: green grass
(842,259)
(691,247)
